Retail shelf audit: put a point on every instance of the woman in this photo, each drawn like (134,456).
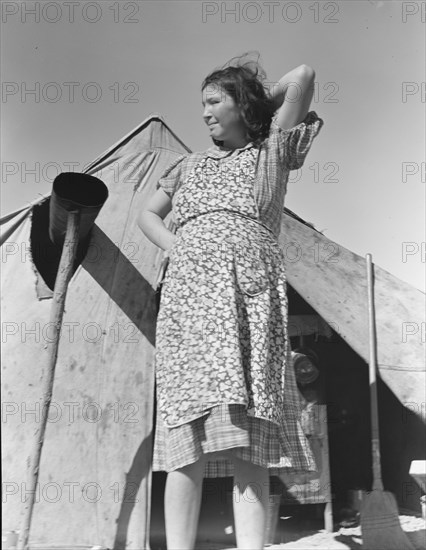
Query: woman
(226,391)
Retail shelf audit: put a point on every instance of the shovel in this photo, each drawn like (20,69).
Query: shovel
(380,525)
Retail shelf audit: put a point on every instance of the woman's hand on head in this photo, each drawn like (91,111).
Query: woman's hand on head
(297,87)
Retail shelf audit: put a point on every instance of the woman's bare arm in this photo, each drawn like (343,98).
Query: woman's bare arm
(150,220)
(293,95)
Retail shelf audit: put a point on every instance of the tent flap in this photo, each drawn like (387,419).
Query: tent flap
(333,281)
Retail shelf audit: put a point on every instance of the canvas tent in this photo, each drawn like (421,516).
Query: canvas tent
(95,471)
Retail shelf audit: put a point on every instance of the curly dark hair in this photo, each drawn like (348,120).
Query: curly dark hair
(244,84)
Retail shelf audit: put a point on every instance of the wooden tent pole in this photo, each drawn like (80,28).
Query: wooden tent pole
(56,314)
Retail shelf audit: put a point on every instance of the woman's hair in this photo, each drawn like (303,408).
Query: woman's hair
(244,83)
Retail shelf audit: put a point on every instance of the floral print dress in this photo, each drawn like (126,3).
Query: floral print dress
(224,375)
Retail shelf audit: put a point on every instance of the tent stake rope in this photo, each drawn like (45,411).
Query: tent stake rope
(56,314)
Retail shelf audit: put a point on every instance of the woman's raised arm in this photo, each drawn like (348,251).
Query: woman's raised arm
(293,95)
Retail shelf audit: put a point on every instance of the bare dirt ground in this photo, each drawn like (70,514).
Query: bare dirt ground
(301,537)
(351,537)
(298,535)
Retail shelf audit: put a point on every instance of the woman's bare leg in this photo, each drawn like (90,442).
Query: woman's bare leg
(250,497)
(182,500)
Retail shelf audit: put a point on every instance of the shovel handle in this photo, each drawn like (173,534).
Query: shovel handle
(372,371)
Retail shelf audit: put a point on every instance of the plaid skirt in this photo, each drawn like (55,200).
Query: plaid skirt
(281,449)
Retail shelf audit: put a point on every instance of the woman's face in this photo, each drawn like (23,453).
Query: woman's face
(223,117)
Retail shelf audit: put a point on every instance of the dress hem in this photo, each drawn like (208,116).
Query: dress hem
(226,404)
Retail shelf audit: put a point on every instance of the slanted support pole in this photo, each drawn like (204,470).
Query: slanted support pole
(56,314)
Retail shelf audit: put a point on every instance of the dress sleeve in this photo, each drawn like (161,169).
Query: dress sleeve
(172,176)
(292,145)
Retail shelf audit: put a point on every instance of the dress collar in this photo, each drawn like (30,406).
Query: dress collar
(216,152)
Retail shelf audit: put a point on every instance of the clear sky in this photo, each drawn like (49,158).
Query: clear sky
(98,69)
